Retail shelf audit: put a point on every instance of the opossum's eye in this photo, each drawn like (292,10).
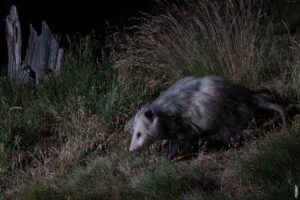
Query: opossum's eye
(138,135)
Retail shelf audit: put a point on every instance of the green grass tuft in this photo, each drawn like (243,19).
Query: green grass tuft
(276,167)
(162,182)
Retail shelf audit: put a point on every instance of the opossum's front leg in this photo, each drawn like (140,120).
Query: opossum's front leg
(229,136)
(183,148)
(177,139)
(173,148)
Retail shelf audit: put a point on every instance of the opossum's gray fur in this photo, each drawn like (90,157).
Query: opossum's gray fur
(197,107)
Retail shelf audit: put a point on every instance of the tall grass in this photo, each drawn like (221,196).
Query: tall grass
(201,37)
(48,129)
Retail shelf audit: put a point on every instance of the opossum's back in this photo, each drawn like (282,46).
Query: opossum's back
(206,106)
(204,101)
(187,91)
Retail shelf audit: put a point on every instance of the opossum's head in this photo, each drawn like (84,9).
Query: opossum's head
(145,128)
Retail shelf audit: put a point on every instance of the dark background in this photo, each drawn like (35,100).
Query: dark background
(70,17)
(79,18)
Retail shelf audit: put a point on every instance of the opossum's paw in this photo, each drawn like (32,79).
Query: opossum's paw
(235,142)
(229,137)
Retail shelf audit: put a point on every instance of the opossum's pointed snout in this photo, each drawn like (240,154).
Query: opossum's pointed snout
(134,147)
(131,148)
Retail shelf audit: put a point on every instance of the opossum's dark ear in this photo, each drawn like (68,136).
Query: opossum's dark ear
(141,104)
(149,114)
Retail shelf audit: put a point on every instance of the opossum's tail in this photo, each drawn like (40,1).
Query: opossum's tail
(264,100)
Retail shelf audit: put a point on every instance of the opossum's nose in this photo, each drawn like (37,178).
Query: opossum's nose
(134,147)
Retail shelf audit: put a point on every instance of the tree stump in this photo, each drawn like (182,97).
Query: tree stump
(43,55)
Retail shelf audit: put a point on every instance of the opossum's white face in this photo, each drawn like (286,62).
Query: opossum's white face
(144,130)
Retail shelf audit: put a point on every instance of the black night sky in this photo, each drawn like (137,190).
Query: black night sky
(71,17)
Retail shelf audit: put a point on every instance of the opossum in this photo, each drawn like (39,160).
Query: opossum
(196,107)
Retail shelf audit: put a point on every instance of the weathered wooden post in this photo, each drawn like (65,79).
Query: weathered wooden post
(14,46)
(43,54)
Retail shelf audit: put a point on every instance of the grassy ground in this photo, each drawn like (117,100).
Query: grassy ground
(65,139)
